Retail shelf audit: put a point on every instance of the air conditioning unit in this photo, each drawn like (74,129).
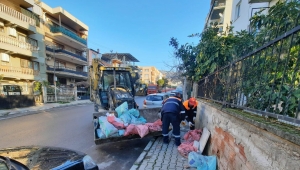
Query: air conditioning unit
(72,80)
(4,57)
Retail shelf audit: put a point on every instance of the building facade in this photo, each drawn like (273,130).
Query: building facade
(66,46)
(22,51)
(236,13)
(149,74)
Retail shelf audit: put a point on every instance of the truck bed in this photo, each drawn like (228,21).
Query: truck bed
(150,114)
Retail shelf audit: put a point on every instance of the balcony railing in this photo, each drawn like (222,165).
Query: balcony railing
(68,70)
(219,4)
(18,70)
(17,43)
(67,52)
(56,29)
(9,11)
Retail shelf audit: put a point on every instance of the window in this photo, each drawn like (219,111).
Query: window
(60,64)
(146,70)
(237,10)
(36,66)
(26,64)
(146,76)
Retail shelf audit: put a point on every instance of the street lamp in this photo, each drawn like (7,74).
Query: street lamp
(54,77)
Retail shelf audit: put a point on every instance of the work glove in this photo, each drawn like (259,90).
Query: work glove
(183,123)
(191,124)
(194,118)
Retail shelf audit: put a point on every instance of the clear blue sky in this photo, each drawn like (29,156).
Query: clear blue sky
(142,28)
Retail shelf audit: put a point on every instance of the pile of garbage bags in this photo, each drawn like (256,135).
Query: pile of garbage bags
(190,149)
(127,122)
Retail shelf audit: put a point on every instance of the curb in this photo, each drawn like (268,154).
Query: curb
(140,159)
(7,115)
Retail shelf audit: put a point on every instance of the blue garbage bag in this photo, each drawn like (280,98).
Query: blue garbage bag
(202,162)
(121,132)
(122,109)
(126,118)
(134,112)
(100,134)
(138,121)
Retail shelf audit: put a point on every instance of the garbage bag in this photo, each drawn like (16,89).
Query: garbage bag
(158,122)
(107,128)
(126,118)
(193,135)
(100,134)
(118,123)
(153,127)
(122,108)
(130,130)
(138,121)
(121,132)
(202,162)
(185,148)
(134,112)
(142,130)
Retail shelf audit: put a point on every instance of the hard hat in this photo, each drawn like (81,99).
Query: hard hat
(192,101)
(178,95)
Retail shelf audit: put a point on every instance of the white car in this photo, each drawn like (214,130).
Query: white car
(155,100)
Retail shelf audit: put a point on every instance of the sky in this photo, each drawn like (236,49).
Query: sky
(142,28)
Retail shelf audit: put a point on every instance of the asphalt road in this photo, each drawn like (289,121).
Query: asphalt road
(69,127)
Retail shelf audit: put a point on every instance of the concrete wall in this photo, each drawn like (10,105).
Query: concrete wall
(241,145)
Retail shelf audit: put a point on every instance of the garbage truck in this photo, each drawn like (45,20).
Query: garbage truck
(111,86)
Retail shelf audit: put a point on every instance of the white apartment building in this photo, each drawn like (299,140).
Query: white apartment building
(235,12)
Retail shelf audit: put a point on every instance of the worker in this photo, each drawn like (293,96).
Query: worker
(170,113)
(190,107)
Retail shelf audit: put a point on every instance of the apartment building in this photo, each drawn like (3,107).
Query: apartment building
(150,74)
(235,13)
(66,46)
(22,51)
(124,59)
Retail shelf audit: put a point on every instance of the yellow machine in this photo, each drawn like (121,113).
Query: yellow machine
(111,86)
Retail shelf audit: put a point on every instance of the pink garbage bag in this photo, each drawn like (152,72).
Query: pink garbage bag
(130,130)
(193,135)
(153,127)
(116,122)
(185,148)
(142,130)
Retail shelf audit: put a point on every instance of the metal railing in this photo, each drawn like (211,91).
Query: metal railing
(68,70)
(9,11)
(56,29)
(67,52)
(15,42)
(264,81)
(18,70)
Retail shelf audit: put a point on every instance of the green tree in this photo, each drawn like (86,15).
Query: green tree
(160,82)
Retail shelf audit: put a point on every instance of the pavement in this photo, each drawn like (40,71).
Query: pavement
(160,156)
(16,112)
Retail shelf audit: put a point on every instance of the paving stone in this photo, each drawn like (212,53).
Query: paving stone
(164,166)
(142,167)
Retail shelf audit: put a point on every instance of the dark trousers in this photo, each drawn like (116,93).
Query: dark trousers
(175,120)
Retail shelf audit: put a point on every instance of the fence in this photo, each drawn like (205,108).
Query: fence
(265,81)
(64,94)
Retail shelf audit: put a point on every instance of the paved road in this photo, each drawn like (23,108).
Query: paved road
(69,127)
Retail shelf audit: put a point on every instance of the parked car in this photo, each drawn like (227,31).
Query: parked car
(37,157)
(155,100)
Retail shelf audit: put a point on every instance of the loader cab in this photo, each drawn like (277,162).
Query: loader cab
(119,76)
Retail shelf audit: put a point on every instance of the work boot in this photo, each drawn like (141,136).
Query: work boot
(166,139)
(177,141)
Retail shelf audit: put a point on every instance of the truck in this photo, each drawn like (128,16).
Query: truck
(111,86)
(152,88)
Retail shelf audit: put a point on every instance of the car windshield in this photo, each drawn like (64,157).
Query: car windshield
(154,98)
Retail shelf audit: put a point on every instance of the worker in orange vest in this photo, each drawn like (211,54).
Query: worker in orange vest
(190,107)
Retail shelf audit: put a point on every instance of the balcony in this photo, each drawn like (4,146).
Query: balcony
(219,5)
(68,56)
(14,46)
(67,72)
(15,17)
(18,72)
(67,37)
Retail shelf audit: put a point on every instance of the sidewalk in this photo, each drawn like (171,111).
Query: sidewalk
(159,156)
(9,113)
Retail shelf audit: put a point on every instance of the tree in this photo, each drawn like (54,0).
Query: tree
(160,82)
